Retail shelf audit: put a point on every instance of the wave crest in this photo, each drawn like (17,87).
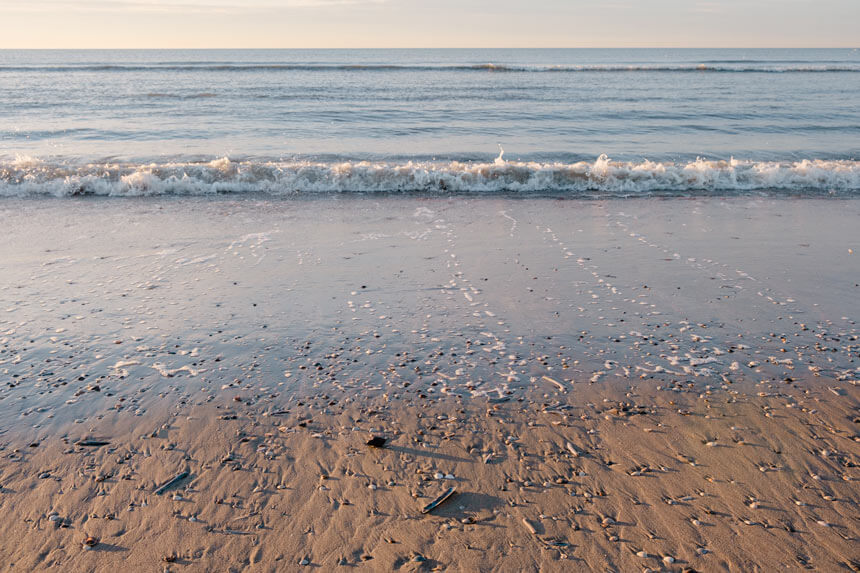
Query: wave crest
(600,178)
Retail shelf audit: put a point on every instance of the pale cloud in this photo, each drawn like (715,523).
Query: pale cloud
(708,7)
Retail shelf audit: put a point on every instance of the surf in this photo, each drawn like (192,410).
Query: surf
(603,177)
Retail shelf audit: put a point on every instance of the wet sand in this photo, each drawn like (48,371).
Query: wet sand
(608,385)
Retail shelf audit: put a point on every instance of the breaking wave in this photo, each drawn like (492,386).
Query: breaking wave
(25,176)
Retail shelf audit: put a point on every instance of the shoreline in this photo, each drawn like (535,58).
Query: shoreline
(700,356)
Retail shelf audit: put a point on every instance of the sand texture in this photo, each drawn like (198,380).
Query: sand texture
(607,385)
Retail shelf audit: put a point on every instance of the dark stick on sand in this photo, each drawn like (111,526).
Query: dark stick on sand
(92,443)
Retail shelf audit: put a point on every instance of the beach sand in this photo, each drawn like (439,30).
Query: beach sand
(613,385)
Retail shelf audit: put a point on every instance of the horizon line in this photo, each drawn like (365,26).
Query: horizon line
(633,47)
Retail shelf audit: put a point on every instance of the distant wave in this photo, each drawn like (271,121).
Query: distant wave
(27,176)
(726,67)
(164,95)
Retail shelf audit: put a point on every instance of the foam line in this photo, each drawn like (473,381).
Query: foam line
(27,176)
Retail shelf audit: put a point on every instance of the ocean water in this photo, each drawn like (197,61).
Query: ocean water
(562,122)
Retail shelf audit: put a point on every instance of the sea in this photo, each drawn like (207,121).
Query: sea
(562,122)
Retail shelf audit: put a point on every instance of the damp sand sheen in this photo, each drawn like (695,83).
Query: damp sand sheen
(190,383)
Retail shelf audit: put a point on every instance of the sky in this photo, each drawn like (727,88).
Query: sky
(427,23)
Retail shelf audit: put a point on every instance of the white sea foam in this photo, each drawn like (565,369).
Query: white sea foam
(602,177)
